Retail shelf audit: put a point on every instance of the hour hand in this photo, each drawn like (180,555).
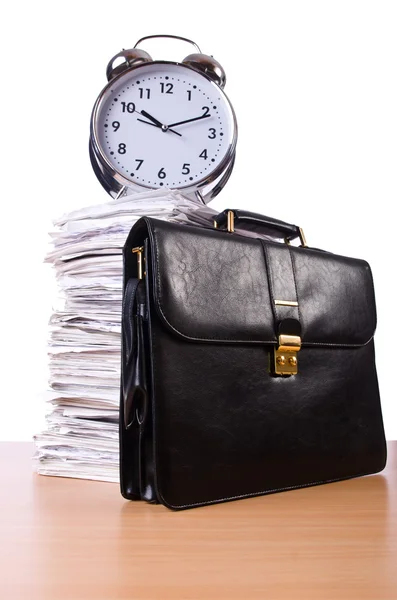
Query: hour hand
(151,118)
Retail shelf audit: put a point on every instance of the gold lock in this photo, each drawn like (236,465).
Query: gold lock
(285,355)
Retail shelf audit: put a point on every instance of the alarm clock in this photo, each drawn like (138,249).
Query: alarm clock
(162,124)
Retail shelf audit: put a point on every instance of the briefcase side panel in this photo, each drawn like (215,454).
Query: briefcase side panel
(136,440)
(130,487)
(224,428)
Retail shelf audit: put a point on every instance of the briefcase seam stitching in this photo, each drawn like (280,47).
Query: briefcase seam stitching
(264,492)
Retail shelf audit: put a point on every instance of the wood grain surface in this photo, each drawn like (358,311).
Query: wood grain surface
(79,540)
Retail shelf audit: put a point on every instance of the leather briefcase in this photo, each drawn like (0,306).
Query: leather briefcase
(248,364)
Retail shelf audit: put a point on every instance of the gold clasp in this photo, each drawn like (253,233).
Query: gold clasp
(230,222)
(138,250)
(285,356)
(302,239)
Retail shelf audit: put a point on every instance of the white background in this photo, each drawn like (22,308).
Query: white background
(313,84)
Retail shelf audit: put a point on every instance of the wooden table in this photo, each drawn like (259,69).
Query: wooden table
(75,540)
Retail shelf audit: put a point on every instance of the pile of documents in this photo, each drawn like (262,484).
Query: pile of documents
(81,436)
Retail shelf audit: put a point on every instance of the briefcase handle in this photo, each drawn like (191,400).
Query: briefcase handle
(256,222)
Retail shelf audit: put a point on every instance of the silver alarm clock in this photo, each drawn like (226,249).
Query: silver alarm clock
(163,124)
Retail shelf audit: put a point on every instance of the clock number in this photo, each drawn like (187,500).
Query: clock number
(169,86)
(122,149)
(189,94)
(115,125)
(128,107)
(142,92)
(212,130)
(185,169)
(139,161)
(206,111)
(162,174)
(204,154)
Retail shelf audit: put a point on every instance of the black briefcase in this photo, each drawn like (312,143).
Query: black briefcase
(247,365)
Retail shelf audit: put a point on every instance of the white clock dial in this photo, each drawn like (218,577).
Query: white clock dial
(164,124)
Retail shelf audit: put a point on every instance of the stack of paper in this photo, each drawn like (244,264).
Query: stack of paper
(81,437)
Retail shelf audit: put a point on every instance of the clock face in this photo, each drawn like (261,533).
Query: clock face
(164,125)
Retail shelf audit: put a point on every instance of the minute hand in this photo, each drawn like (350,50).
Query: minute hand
(188,120)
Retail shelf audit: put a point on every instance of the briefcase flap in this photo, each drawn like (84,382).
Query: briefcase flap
(214,286)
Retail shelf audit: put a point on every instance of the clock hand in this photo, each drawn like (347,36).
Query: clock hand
(151,118)
(158,127)
(156,123)
(147,122)
(189,120)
